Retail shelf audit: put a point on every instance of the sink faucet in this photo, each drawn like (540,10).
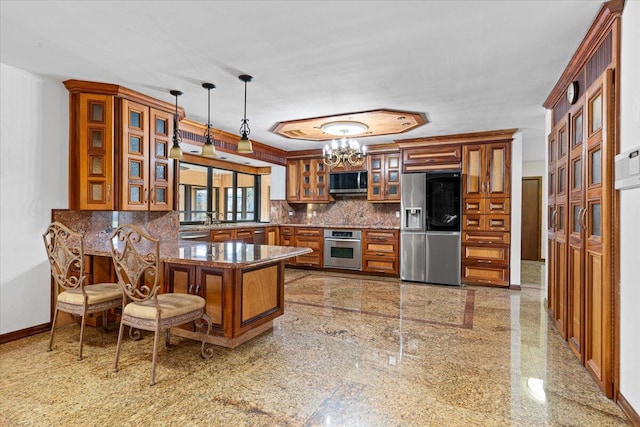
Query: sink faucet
(211,218)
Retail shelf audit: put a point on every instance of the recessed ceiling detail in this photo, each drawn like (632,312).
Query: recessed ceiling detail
(362,124)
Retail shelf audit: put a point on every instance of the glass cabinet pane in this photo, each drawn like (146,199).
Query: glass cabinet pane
(576,219)
(393,162)
(376,177)
(135,118)
(560,223)
(161,195)
(161,149)
(134,194)
(473,171)
(96,139)
(161,126)
(97,112)
(577,174)
(393,176)
(596,173)
(161,172)
(135,144)
(595,220)
(577,130)
(561,179)
(376,164)
(134,169)
(96,192)
(97,165)
(596,114)
(497,170)
(393,190)
(562,143)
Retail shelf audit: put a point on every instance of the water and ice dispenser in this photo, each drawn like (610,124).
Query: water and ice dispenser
(413,218)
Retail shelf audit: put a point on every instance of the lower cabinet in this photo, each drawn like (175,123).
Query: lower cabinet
(309,238)
(202,281)
(380,251)
(485,257)
(225,234)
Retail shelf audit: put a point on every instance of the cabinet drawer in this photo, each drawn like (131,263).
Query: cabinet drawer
(381,242)
(478,222)
(486,254)
(380,264)
(221,235)
(473,205)
(286,240)
(473,273)
(314,243)
(497,206)
(286,231)
(315,232)
(314,259)
(485,237)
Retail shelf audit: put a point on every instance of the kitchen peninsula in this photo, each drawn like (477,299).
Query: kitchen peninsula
(243,284)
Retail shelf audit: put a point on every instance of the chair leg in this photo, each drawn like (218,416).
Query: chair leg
(53,328)
(155,355)
(105,318)
(167,339)
(82,322)
(115,364)
(206,352)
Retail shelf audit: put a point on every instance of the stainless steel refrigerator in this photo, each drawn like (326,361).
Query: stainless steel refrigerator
(430,228)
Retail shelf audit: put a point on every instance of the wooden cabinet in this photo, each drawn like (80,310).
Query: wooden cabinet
(429,158)
(307,181)
(91,152)
(486,218)
(384,177)
(272,236)
(147,171)
(380,251)
(286,236)
(220,235)
(309,238)
(119,149)
(581,228)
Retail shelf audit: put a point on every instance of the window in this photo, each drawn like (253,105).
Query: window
(217,194)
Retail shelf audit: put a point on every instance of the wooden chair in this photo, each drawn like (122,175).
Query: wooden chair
(136,259)
(65,250)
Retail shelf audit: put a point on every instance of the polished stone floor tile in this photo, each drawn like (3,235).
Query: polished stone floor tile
(350,350)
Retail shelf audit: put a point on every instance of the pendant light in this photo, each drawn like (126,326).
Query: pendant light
(176,151)
(208,149)
(245,146)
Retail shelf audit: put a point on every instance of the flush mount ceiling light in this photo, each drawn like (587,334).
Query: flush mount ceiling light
(344,128)
(244,145)
(176,151)
(208,149)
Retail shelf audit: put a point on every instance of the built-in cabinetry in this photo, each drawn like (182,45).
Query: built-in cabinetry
(430,158)
(307,181)
(486,212)
(380,251)
(119,145)
(581,228)
(244,234)
(308,237)
(383,177)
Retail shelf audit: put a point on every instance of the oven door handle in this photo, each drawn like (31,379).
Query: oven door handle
(327,239)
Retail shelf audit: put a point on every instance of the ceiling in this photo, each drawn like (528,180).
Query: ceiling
(466,65)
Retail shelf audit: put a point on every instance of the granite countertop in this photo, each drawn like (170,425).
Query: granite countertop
(221,255)
(203,227)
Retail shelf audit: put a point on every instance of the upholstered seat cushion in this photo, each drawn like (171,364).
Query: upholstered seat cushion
(171,305)
(100,292)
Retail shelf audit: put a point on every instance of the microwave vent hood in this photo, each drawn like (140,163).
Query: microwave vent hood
(347,183)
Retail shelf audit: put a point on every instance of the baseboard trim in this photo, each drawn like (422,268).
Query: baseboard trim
(628,410)
(515,287)
(23,333)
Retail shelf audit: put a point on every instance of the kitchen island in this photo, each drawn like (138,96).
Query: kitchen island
(243,284)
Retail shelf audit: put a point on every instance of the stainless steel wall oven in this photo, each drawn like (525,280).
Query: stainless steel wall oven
(343,249)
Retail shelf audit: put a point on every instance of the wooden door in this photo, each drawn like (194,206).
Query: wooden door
(598,222)
(561,221)
(575,270)
(531,217)
(293,180)
(134,157)
(392,177)
(375,185)
(307,180)
(320,181)
(95,153)
(161,166)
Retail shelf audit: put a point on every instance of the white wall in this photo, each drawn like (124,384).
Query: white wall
(516,203)
(278,182)
(540,169)
(34,168)
(629,208)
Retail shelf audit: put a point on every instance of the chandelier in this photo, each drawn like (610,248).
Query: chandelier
(345,150)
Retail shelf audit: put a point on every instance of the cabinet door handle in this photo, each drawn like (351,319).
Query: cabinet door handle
(153,198)
(553,219)
(484,261)
(583,219)
(146,194)
(108,192)
(197,289)
(190,289)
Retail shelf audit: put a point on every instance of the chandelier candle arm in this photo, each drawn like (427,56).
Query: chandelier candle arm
(348,151)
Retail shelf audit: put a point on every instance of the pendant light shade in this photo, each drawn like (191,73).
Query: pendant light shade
(208,149)
(244,145)
(176,151)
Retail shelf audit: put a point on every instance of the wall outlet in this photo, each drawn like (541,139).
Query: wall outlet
(314,213)
(397,214)
(290,213)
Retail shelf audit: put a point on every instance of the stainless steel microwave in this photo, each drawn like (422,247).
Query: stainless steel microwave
(348,182)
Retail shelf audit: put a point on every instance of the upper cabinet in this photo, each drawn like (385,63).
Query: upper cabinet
(147,170)
(119,145)
(307,181)
(384,177)
(485,168)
